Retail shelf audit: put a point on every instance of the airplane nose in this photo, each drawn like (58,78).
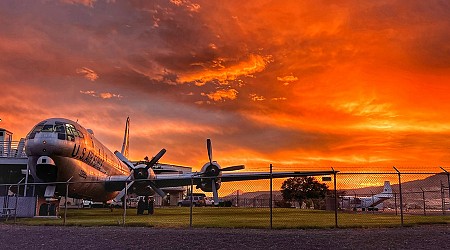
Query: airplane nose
(46,169)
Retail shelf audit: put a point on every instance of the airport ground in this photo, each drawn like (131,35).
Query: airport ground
(57,237)
(233,217)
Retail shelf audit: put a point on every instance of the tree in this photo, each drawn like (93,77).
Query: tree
(304,188)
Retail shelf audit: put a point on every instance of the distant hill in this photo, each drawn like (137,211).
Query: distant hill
(431,183)
(253,195)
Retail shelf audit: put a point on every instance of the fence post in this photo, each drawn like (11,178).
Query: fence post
(423,197)
(192,201)
(448,182)
(271,197)
(395,203)
(125,204)
(401,195)
(335,200)
(65,200)
(17,199)
(26,181)
(443,198)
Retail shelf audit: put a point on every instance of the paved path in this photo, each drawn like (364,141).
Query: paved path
(45,237)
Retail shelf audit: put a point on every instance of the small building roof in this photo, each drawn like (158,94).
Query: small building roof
(5,130)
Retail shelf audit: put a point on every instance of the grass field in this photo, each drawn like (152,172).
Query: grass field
(232,218)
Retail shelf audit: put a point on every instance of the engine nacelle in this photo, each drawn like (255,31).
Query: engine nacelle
(141,172)
(211,171)
(206,184)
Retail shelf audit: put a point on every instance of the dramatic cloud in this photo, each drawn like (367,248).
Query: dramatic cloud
(221,95)
(362,85)
(88,73)
(287,79)
(104,95)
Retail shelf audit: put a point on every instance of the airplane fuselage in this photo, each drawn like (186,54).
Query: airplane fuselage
(59,149)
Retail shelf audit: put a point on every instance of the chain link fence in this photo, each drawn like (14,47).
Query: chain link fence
(353,200)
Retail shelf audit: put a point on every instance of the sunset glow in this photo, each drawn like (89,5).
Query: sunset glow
(305,85)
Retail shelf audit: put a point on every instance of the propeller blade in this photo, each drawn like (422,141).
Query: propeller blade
(214,191)
(209,148)
(124,159)
(158,190)
(155,159)
(122,193)
(233,168)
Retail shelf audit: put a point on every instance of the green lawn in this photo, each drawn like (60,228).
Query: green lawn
(232,218)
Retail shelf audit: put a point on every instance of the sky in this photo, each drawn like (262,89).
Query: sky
(304,85)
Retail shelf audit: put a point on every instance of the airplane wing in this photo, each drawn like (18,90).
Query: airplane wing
(174,180)
(266,175)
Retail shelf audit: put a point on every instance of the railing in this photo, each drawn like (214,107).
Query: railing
(12,149)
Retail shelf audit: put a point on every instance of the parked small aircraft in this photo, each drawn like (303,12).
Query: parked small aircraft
(59,150)
(368,202)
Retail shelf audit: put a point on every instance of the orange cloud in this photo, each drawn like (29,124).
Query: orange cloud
(254,64)
(103,95)
(87,3)
(88,73)
(287,79)
(194,7)
(222,95)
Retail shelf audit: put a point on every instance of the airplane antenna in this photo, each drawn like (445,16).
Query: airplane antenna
(126,137)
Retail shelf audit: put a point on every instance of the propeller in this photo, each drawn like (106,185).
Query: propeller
(209,148)
(140,172)
(213,170)
(155,159)
(122,192)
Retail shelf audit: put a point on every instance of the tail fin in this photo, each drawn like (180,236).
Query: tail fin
(387,189)
(126,137)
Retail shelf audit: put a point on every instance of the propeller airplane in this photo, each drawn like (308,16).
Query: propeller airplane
(59,150)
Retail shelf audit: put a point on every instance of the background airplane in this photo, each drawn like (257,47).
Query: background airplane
(60,150)
(368,202)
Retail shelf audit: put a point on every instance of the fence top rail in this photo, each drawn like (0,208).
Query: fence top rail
(389,173)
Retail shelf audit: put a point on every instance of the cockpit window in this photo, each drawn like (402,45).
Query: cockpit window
(36,129)
(59,128)
(47,128)
(71,132)
(65,131)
